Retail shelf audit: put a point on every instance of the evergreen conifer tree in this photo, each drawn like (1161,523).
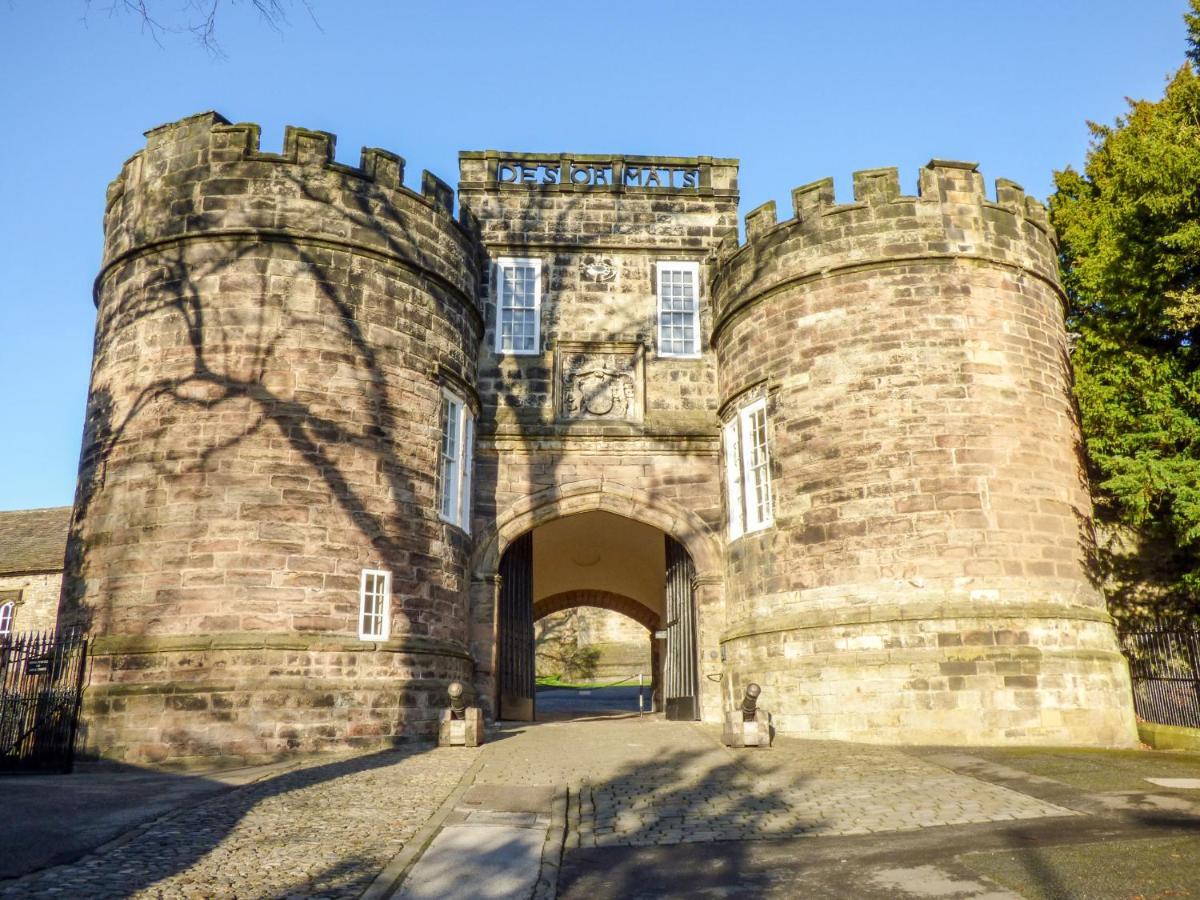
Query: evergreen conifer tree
(1129,226)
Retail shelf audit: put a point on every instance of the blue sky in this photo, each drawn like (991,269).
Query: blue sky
(797,91)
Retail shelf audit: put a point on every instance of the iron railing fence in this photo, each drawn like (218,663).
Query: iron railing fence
(1165,666)
(41,684)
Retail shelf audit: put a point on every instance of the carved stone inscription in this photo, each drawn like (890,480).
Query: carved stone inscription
(600,382)
(666,177)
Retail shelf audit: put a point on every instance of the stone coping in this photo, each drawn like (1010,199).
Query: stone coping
(1168,737)
(290,237)
(964,660)
(131,645)
(726,314)
(308,685)
(873,615)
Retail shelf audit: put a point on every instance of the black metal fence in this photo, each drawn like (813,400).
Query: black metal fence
(1165,665)
(41,683)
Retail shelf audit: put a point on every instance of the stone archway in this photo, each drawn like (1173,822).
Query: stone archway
(684,525)
(597,494)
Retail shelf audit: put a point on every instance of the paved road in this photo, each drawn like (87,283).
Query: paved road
(562,704)
(660,809)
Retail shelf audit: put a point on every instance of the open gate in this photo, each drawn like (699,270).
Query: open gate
(516,681)
(41,683)
(681,700)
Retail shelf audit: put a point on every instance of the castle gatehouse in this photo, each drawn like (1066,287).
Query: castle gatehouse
(345,443)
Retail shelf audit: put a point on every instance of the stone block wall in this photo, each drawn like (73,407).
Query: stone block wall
(184,701)
(926,578)
(273,335)
(598,244)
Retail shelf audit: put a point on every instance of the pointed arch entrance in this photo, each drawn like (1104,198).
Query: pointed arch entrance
(558,539)
(656,573)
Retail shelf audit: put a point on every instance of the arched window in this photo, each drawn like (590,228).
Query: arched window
(6,618)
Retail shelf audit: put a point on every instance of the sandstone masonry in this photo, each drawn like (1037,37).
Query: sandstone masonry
(277,337)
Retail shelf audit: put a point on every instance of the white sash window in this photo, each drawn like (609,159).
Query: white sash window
(457,451)
(518,305)
(748,470)
(678,308)
(374,604)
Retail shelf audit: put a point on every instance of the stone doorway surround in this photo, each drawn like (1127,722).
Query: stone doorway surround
(600,495)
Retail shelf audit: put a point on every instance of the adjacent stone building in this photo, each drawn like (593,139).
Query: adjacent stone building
(345,444)
(32,542)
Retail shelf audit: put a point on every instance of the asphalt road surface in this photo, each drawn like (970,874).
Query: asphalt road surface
(562,704)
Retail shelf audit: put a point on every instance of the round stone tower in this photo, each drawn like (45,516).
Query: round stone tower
(275,337)
(926,576)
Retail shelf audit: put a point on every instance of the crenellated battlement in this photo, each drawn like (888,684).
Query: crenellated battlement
(204,176)
(950,217)
(236,142)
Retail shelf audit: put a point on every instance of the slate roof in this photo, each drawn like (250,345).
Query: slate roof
(33,540)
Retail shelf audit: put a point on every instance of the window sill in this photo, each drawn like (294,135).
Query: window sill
(463,528)
(757,529)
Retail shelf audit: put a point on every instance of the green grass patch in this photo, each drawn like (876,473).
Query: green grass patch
(557,681)
(1149,869)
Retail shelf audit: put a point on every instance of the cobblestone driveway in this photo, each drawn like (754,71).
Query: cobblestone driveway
(327,829)
(796,788)
(647,781)
(323,830)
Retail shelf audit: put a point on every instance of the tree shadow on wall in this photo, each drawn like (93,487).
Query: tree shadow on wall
(232,378)
(559,650)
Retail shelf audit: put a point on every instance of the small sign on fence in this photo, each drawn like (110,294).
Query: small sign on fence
(37,665)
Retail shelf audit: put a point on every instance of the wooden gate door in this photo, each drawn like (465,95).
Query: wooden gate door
(516,631)
(681,699)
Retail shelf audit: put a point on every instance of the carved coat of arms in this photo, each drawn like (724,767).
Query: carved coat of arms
(600,383)
(601,388)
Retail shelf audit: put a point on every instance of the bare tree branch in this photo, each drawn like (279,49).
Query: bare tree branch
(200,18)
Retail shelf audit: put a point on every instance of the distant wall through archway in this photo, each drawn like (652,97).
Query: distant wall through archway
(645,617)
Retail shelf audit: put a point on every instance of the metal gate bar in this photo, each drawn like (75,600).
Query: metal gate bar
(517,670)
(681,692)
(1164,664)
(41,684)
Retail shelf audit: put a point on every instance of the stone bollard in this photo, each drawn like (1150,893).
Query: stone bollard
(748,725)
(460,725)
